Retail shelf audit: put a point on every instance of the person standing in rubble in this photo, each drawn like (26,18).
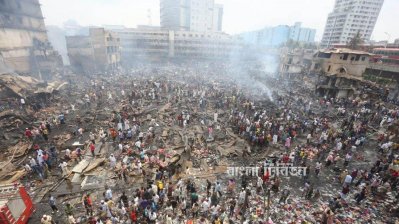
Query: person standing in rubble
(68,209)
(102,135)
(52,203)
(113,134)
(45,134)
(318,168)
(64,168)
(61,118)
(88,204)
(92,148)
(34,165)
(22,104)
(112,161)
(284,196)
(92,138)
(28,134)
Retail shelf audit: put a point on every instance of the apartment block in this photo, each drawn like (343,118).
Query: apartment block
(348,18)
(191,15)
(97,52)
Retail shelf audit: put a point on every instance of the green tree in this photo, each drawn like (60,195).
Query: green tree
(355,42)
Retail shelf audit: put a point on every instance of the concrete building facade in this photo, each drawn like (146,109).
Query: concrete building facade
(24,44)
(295,62)
(217,21)
(148,43)
(348,18)
(98,52)
(191,15)
(81,54)
(341,71)
(278,35)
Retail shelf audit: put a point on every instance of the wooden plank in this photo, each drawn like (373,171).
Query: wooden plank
(82,165)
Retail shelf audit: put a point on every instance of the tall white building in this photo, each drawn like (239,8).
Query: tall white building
(191,15)
(217,17)
(348,18)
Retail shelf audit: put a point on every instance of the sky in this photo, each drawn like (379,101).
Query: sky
(239,15)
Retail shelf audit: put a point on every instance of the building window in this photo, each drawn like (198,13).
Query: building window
(363,58)
(329,68)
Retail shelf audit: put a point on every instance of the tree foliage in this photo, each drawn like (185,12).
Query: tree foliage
(356,41)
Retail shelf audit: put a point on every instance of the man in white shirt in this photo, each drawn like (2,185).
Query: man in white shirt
(108,194)
(318,168)
(205,207)
(348,180)
(112,161)
(64,168)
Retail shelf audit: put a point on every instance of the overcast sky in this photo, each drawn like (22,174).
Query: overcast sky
(239,15)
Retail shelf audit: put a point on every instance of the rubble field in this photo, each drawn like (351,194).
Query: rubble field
(168,138)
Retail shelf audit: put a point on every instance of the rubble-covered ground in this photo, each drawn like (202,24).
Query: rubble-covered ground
(167,137)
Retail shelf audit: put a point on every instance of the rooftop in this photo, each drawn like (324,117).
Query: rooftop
(344,51)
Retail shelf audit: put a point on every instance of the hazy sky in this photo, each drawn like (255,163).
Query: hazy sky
(239,15)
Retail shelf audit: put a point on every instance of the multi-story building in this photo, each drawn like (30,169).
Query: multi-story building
(98,52)
(151,43)
(348,18)
(217,18)
(295,61)
(191,15)
(278,35)
(24,44)
(81,54)
(341,71)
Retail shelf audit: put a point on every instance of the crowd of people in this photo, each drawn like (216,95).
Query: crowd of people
(348,146)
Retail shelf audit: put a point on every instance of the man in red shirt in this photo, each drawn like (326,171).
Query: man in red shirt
(286,158)
(88,204)
(92,149)
(133,216)
(28,134)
